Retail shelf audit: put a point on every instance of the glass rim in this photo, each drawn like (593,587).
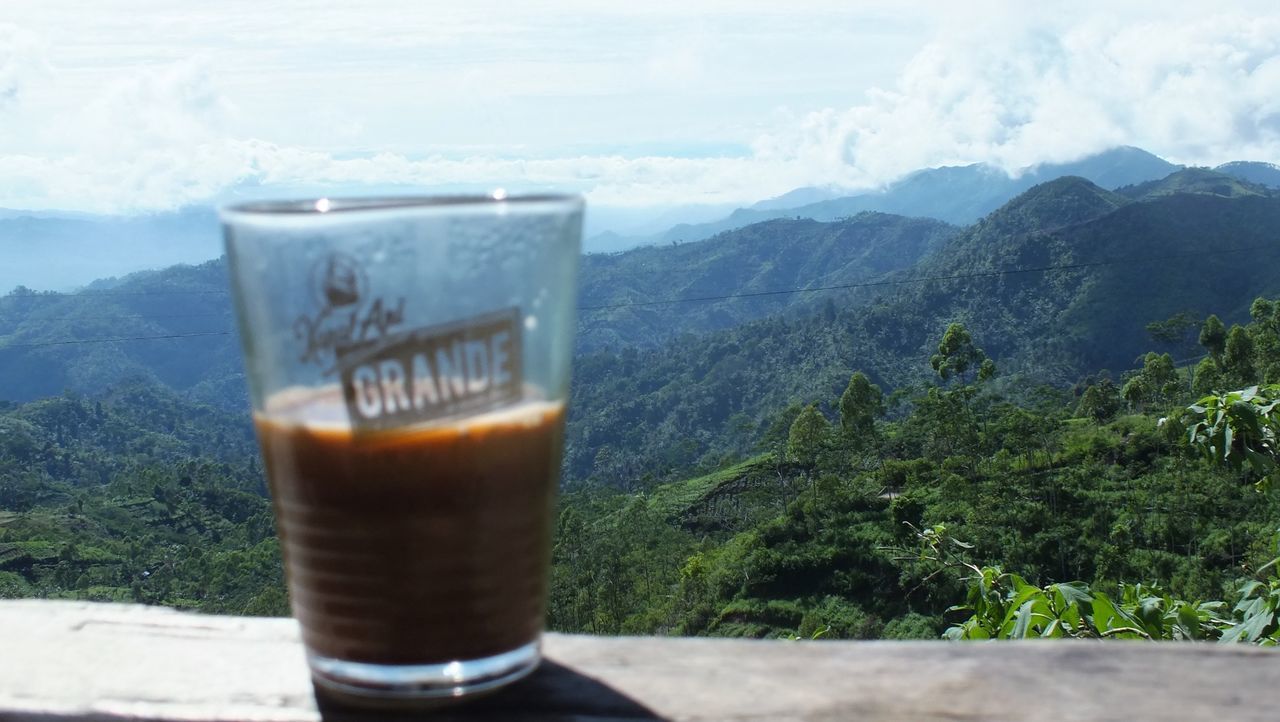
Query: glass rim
(351,205)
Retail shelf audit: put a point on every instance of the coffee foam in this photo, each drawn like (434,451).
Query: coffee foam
(322,409)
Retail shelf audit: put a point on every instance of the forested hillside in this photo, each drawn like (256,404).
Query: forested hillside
(172,326)
(136,495)
(823,531)
(869,515)
(1061,283)
(1110,269)
(790,464)
(1062,266)
(625,297)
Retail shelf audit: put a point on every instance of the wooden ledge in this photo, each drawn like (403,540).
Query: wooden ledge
(85,661)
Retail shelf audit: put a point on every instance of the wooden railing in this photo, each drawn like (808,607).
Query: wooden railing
(84,661)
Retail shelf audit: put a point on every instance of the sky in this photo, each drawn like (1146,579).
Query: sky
(128,106)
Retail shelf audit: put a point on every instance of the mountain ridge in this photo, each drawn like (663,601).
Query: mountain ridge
(1056,268)
(1196,180)
(955,194)
(43,251)
(631,297)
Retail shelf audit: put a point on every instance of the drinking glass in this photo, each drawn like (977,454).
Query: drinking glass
(408,366)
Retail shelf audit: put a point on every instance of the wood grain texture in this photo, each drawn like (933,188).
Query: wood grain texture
(84,661)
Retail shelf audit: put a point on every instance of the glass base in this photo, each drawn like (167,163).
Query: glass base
(409,684)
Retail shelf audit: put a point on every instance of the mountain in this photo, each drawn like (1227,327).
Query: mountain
(751,520)
(625,297)
(1055,285)
(955,194)
(26,213)
(1125,264)
(1267,174)
(172,326)
(607,229)
(964,194)
(61,252)
(1113,168)
(1058,203)
(798,197)
(175,326)
(1196,180)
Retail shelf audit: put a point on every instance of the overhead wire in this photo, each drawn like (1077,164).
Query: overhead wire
(118,339)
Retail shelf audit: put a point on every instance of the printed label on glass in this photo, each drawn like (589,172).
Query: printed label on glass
(431,373)
(346,315)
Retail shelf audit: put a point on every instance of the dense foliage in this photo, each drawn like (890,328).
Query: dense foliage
(1133,494)
(138,495)
(625,296)
(776,477)
(1116,267)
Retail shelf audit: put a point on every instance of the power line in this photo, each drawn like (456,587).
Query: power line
(59,295)
(114,340)
(117,317)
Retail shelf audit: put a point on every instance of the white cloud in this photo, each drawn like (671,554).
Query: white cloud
(170,109)
(22,62)
(1200,92)
(162,133)
(679,62)
(172,177)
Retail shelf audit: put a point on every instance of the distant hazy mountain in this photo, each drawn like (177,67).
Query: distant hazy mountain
(1093,315)
(1267,174)
(955,194)
(17,213)
(608,229)
(58,250)
(47,251)
(1056,285)
(602,219)
(173,326)
(799,197)
(54,250)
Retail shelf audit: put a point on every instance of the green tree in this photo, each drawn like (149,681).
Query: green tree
(1017,431)
(1237,357)
(1208,377)
(1213,336)
(775,437)
(1136,391)
(860,404)
(1265,332)
(957,354)
(986,370)
(942,424)
(808,435)
(1099,402)
(1157,382)
(1173,330)
(1265,313)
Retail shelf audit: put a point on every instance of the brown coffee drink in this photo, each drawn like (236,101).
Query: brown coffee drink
(417,545)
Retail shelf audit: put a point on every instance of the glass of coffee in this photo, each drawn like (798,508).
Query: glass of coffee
(408,364)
